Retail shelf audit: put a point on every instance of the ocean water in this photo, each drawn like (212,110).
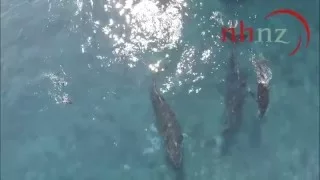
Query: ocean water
(75,78)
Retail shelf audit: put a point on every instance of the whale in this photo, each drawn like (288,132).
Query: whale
(169,129)
(235,95)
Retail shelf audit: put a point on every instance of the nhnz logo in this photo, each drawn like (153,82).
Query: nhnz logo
(231,34)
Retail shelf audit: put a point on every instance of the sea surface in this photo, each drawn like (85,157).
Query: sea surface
(75,79)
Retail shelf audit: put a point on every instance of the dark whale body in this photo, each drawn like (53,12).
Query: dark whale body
(234,99)
(262,99)
(169,128)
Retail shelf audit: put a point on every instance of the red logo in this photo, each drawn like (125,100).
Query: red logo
(231,34)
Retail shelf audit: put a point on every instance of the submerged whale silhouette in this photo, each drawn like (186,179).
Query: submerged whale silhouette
(169,128)
(234,100)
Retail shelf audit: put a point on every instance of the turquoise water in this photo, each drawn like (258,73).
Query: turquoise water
(98,54)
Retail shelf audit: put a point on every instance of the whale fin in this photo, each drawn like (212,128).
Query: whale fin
(251,93)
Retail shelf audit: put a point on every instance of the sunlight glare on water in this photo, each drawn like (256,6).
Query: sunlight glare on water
(146,26)
(133,29)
